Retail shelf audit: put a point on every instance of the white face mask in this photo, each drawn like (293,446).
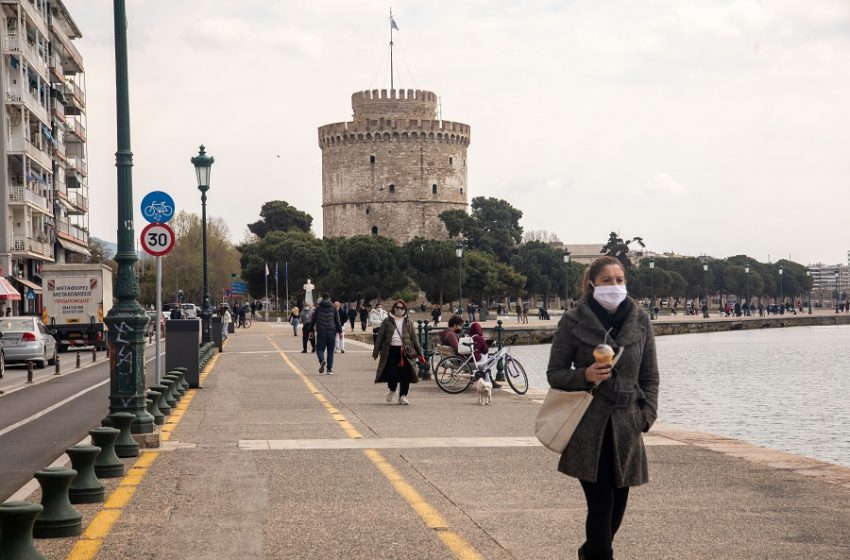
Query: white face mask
(398,312)
(610,297)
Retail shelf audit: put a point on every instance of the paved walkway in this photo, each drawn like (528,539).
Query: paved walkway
(272,460)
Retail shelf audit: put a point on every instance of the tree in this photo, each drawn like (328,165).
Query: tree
(278,215)
(493,226)
(542,266)
(433,266)
(485,278)
(297,251)
(539,235)
(367,267)
(619,248)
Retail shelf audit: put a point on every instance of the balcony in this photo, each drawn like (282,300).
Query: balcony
(74,93)
(73,63)
(18,44)
(36,16)
(80,204)
(22,195)
(18,144)
(59,152)
(57,109)
(76,131)
(26,244)
(57,75)
(79,165)
(31,102)
(74,233)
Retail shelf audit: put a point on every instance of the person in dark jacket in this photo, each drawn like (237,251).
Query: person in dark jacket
(307,333)
(396,369)
(606,452)
(450,336)
(436,312)
(364,317)
(352,316)
(326,325)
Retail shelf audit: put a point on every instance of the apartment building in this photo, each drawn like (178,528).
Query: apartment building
(43,163)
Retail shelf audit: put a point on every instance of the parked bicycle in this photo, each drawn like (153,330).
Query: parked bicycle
(455,373)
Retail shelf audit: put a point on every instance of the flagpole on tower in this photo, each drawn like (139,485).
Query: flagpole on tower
(392,24)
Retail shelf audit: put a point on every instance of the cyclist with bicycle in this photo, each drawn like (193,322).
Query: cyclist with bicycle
(480,349)
(450,336)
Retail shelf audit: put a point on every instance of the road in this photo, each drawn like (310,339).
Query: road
(38,422)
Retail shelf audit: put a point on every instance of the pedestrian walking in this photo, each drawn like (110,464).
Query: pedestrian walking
(340,335)
(376,319)
(326,325)
(518,309)
(525,313)
(307,332)
(294,318)
(364,317)
(436,313)
(396,339)
(226,319)
(606,452)
(352,316)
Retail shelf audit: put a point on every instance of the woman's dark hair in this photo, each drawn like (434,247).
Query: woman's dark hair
(594,269)
(455,320)
(401,303)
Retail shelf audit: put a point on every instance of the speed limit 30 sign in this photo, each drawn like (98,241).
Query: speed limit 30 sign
(157,239)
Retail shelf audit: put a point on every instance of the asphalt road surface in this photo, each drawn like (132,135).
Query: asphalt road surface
(39,421)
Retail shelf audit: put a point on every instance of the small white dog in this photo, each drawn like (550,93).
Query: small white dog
(485,391)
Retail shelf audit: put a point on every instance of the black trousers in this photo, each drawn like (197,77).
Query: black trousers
(606,504)
(397,376)
(305,336)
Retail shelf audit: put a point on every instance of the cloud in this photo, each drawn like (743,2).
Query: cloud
(665,184)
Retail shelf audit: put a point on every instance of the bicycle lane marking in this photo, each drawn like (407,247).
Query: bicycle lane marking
(432,518)
(89,543)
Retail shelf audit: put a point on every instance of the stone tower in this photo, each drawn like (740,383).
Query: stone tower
(394,168)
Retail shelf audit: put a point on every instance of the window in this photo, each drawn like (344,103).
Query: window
(434,188)
(451,160)
(461,190)
(372,160)
(392,188)
(367,210)
(374,230)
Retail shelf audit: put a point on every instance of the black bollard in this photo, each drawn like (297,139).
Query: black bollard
(56,365)
(78,358)
(153,409)
(169,398)
(94,354)
(107,464)
(125,445)
(16,521)
(29,372)
(59,518)
(163,405)
(86,488)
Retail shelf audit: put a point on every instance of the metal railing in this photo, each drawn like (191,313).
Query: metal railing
(79,165)
(73,89)
(15,95)
(76,127)
(79,201)
(24,243)
(67,43)
(23,195)
(18,144)
(17,44)
(74,231)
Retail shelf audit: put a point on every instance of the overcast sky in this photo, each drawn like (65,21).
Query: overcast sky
(705,126)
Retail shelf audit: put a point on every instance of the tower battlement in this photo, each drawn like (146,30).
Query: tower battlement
(393,129)
(394,104)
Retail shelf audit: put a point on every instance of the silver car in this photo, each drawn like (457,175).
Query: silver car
(26,339)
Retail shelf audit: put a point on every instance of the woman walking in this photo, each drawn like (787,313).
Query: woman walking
(606,452)
(395,368)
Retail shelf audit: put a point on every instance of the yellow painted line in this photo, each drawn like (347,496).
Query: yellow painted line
(89,543)
(432,518)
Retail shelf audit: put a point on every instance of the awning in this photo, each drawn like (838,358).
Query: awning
(7,292)
(28,283)
(75,247)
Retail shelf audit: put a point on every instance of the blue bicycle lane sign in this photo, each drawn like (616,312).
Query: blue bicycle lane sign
(157,207)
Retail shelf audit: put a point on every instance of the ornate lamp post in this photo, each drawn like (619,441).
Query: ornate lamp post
(203,166)
(747,273)
(459,254)
(837,290)
(705,279)
(809,275)
(567,282)
(781,292)
(126,320)
(652,287)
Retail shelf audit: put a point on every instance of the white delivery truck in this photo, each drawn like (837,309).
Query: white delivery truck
(76,299)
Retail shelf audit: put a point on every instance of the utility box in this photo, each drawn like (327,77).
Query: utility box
(182,343)
(216,332)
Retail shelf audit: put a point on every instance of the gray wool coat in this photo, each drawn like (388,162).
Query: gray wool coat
(382,346)
(629,399)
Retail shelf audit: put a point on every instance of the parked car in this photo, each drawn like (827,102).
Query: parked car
(190,310)
(152,322)
(26,339)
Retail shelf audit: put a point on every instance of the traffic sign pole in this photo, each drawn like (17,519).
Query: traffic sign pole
(158,315)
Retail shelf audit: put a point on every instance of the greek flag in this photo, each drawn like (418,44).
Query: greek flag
(393,24)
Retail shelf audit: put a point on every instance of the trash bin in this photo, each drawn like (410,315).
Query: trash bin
(182,342)
(216,332)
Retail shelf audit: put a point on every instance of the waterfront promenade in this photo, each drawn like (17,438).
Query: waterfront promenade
(272,460)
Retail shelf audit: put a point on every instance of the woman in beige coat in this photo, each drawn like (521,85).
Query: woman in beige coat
(395,368)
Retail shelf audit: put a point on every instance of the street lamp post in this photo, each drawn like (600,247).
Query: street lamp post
(567,281)
(203,166)
(781,292)
(126,321)
(747,273)
(809,275)
(459,254)
(705,279)
(837,290)
(652,287)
